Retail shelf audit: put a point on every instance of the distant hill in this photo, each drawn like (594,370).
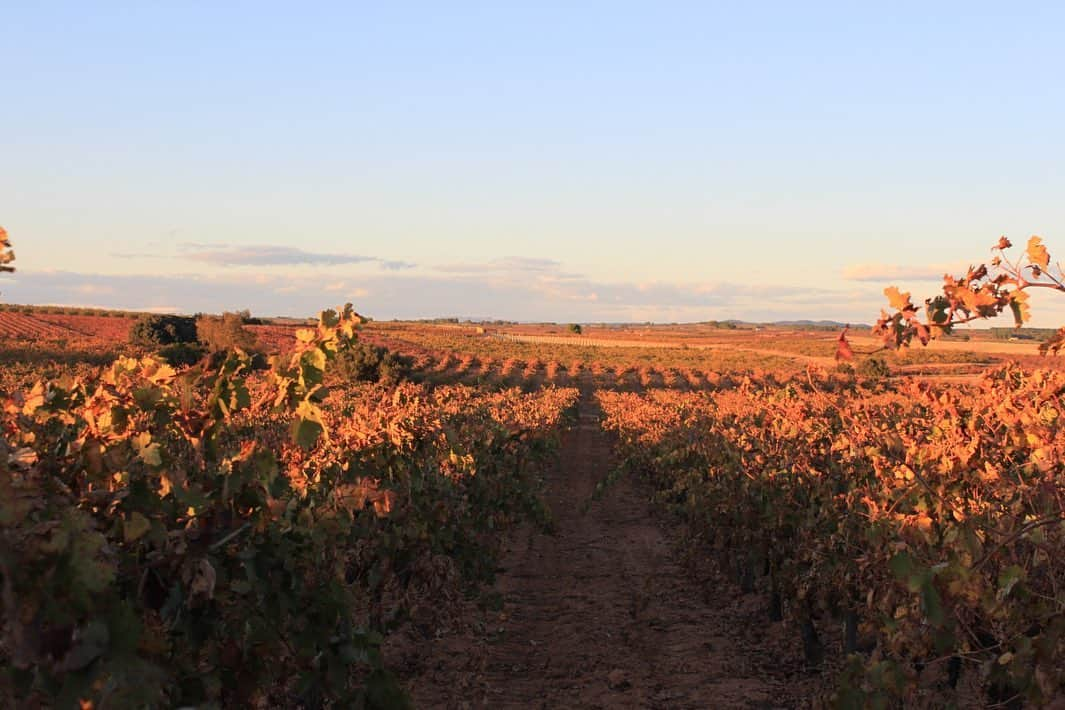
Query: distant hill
(815,324)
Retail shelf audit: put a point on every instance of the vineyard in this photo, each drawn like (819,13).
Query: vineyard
(240,536)
(410,515)
(925,523)
(20,326)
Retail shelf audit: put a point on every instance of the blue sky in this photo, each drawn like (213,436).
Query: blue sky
(560,161)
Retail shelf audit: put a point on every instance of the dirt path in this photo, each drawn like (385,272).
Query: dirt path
(600,615)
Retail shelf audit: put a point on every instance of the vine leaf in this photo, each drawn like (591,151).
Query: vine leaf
(1019,306)
(898,300)
(1054,343)
(135,527)
(1037,253)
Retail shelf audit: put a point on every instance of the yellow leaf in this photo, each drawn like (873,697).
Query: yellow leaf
(151,456)
(1019,306)
(898,300)
(1037,253)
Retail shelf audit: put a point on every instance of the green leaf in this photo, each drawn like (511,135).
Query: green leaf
(1007,580)
(125,629)
(308,425)
(933,605)
(915,582)
(135,527)
(945,641)
(148,452)
(90,643)
(902,565)
(305,432)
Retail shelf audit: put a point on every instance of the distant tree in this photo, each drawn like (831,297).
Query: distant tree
(248,319)
(225,332)
(158,330)
(575,328)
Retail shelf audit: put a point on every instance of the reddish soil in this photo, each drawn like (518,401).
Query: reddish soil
(275,338)
(22,326)
(602,614)
(110,329)
(48,326)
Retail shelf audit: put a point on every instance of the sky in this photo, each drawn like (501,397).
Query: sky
(577,161)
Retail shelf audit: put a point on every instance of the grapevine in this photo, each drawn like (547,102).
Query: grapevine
(228,535)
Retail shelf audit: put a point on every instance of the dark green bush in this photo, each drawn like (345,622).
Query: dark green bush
(370,363)
(845,368)
(873,368)
(157,330)
(182,354)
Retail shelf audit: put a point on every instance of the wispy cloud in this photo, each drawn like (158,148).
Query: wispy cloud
(503,265)
(395,265)
(139,255)
(265,255)
(897,272)
(261,255)
(91,289)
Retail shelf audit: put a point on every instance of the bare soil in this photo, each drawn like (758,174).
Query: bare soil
(603,614)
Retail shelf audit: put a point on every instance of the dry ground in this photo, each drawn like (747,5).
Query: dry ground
(602,614)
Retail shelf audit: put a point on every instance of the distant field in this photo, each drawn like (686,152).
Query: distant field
(781,349)
(630,356)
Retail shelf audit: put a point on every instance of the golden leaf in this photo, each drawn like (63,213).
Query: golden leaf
(898,300)
(1037,253)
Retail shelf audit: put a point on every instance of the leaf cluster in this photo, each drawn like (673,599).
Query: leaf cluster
(985,291)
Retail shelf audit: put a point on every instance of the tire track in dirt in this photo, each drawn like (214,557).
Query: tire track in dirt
(602,615)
